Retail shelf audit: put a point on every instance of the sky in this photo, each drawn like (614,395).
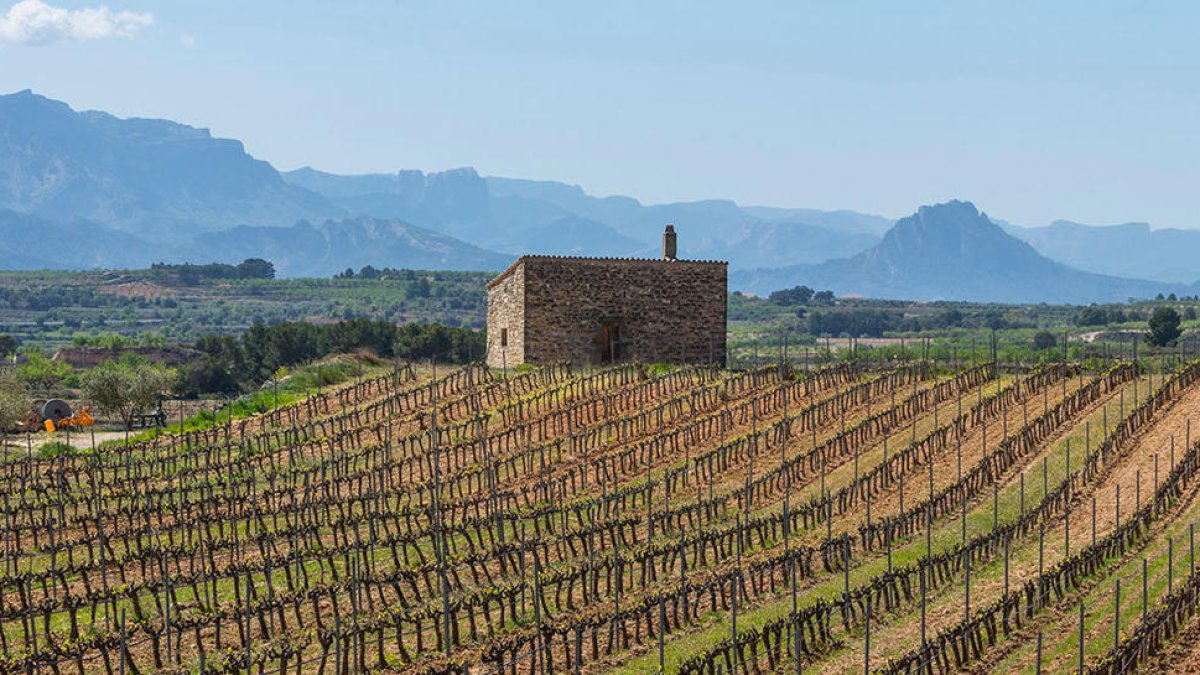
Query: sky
(1033,110)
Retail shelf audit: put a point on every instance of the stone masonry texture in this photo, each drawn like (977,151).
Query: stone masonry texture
(553,309)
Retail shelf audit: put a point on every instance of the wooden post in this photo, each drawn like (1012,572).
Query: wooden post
(1041,558)
(662,622)
(1081,637)
(967,586)
(1006,549)
(1145,594)
(1170,563)
(867,645)
(923,643)
(1116,618)
(1093,520)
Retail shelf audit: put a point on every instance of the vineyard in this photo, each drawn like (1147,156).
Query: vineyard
(918,517)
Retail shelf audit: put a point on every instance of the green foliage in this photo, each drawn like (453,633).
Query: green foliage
(51,308)
(14,398)
(1043,340)
(236,364)
(798,295)
(255,268)
(1164,326)
(1095,315)
(187,273)
(434,341)
(42,373)
(127,387)
(57,449)
(8,345)
(855,323)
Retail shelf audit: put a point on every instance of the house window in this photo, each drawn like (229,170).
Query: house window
(503,337)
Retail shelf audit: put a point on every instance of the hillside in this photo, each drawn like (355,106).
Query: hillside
(459,203)
(522,216)
(154,178)
(28,242)
(321,250)
(952,251)
(1129,249)
(125,192)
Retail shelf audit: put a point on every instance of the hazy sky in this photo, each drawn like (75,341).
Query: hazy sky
(1033,110)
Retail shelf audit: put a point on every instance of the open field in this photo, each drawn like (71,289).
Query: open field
(48,309)
(626,519)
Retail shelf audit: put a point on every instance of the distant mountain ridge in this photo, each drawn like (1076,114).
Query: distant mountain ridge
(125,192)
(152,178)
(1128,249)
(522,216)
(952,251)
(307,249)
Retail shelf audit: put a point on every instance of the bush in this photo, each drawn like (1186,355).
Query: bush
(1164,327)
(1092,316)
(1044,339)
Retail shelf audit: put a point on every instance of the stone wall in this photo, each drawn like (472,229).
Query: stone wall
(658,310)
(506,318)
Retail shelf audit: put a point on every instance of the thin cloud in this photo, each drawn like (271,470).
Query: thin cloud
(33,22)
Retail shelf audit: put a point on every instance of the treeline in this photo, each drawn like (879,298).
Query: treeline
(800,296)
(187,273)
(1096,315)
(372,272)
(874,322)
(234,364)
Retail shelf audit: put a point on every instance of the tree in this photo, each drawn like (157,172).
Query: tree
(1044,339)
(8,345)
(41,372)
(798,295)
(14,398)
(1092,316)
(256,268)
(127,387)
(823,298)
(1164,326)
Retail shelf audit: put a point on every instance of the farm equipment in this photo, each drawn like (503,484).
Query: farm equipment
(52,415)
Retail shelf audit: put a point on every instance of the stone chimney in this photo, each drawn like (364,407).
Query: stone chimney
(669,243)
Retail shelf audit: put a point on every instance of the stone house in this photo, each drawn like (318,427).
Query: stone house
(564,309)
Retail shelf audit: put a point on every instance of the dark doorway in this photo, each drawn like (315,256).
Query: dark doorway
(610,345)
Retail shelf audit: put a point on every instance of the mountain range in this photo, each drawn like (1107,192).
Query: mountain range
(952,251)
(116,192)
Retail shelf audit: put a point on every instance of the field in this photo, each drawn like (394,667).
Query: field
(48,309)
(914,517)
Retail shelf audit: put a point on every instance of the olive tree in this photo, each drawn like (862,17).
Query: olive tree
(127,387)
(14,398)
(43,373)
